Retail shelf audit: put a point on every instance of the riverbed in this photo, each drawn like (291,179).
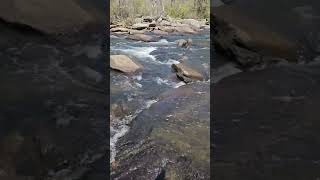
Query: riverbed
(132,94)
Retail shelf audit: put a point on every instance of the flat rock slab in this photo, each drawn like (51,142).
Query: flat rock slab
(266,124)
(124,64)
(170,139)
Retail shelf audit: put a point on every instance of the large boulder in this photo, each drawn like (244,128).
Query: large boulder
(186,73)
(249,47)
(277,28)
(53,17)
(124,64)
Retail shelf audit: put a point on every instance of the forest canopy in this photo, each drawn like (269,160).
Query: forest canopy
(126,9)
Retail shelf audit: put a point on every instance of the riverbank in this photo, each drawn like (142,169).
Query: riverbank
(162,25)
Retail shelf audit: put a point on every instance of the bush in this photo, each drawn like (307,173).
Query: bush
(128,9)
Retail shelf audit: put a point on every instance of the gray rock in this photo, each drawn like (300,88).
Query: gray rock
(170,139)
(184,43)
(92,75)
(225,71)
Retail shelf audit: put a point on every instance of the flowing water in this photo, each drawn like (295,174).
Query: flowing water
(134,93)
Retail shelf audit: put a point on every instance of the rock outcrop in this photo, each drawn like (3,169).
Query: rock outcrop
(185,73)
(157,144)
(124,64)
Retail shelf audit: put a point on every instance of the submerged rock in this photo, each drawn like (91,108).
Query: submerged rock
(170,140)
(124,64)
(186,73)
(184,43)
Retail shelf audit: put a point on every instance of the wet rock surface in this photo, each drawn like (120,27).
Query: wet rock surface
(53,107)
(266,124)
(53,17)
(264,119)
(248,32)
(170,139)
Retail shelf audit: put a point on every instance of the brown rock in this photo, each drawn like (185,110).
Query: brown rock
(119,29)
(159,32)
(124,64)
(186,71)
(140,37)
(185,29)
(140,26)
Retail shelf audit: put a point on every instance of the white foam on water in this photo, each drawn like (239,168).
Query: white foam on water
(113,36)
(161,81)
(149,103)
(119,127)
(170,62)
(139,52)
(138,84)
(137,77)
(117,134)
(179,84)
(162,42)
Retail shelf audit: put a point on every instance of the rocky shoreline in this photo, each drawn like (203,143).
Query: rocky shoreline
(161,26)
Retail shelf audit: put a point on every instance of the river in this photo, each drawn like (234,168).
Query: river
(133,94)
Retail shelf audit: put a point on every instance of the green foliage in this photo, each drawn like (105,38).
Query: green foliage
(122,10)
